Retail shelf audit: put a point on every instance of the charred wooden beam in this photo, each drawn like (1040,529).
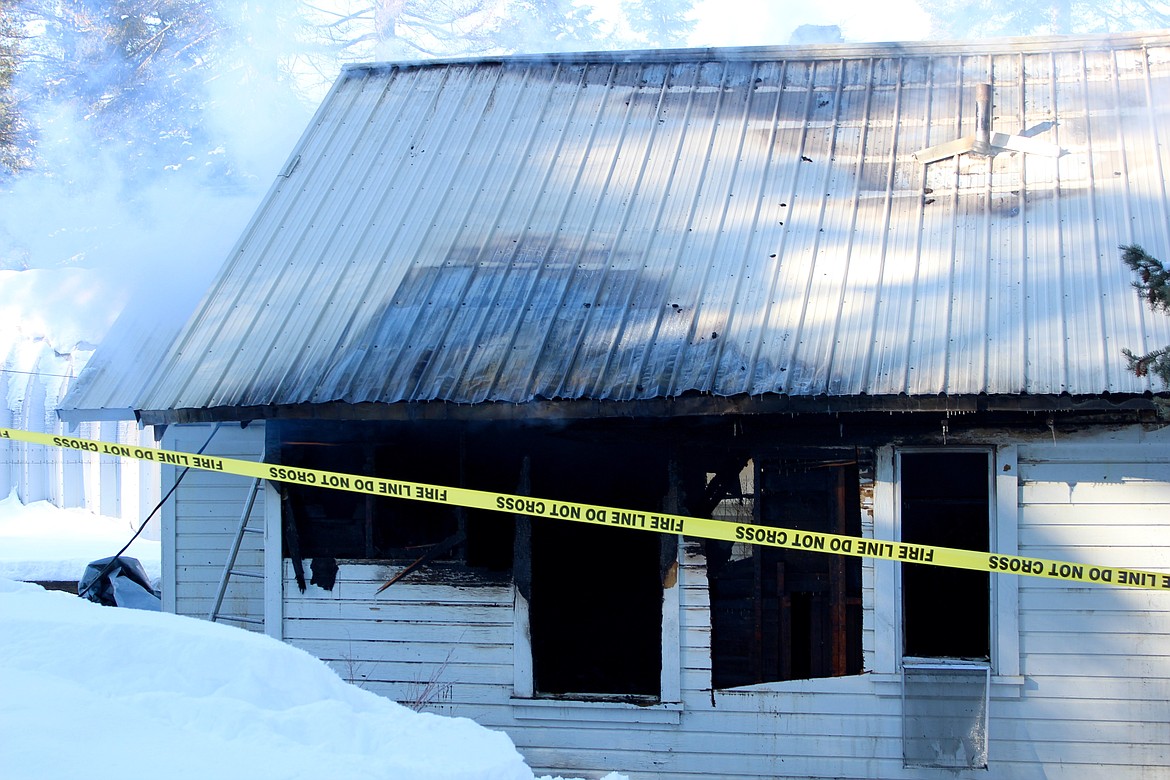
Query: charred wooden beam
(434,552)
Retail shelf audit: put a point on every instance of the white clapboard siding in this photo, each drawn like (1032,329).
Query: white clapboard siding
(200,521)
(1096,658)
(803,728)
(1091,701)
(423,644)
(1100,710)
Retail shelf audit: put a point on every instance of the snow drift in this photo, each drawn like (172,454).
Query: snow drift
(94,690)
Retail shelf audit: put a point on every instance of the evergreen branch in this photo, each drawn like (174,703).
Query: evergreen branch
(1153,284)
(1156,363)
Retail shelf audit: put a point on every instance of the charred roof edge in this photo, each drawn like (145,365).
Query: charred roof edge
(833,51)
(685,406)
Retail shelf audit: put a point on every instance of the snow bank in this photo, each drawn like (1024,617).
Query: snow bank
(40,542)
(93,689)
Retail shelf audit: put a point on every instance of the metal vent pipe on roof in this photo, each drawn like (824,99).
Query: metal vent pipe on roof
(982,119)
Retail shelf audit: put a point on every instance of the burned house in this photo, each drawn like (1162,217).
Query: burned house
(873,290)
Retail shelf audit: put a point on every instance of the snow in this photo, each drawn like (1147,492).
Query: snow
(42,543)
(148,695)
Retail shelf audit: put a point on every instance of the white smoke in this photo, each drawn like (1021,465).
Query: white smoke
(167,230)
(90,232)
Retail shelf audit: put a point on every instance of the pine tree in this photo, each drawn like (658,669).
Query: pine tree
(134,72)
(137,83)
(660,23)
(1153,286)
(989,18)
(15,142)
(549,26)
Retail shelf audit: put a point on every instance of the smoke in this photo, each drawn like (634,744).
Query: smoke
(146,221)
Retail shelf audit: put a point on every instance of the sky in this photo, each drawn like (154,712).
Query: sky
(771,23)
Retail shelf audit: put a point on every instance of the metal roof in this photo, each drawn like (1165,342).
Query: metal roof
(743,222)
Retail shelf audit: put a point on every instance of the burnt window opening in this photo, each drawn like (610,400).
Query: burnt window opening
(352,526)
(782,614)
(595,593)
(946,501)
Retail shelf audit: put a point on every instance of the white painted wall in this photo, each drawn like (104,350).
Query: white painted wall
(1087,694)
(209,506)
(448,648)
(1096,660)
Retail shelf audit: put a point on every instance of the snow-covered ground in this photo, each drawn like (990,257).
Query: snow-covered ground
(86,689)
(90,689)
(41,543)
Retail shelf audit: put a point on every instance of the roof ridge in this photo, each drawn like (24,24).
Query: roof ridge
(829,51)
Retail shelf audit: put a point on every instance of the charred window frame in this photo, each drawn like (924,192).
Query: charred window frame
(323,523)
(785,614)
(581,588)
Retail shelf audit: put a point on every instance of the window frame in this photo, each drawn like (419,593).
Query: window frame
(1004,641)
(528,703)
(815,458)
(670,676)
(969,533)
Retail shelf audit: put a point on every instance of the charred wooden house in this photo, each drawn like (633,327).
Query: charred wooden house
(866,289)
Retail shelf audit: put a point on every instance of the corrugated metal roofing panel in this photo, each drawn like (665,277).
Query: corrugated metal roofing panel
(736,222)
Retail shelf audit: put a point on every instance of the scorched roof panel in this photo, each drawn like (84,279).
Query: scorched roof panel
(634,226)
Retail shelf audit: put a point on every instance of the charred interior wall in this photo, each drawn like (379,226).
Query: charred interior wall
(581,582)
(775,614)
(781,614)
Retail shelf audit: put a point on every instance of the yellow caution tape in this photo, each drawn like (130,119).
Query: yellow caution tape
(704,528)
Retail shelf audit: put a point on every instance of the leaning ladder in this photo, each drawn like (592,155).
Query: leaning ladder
(230,570)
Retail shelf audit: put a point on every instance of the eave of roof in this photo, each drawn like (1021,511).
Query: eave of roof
(694,405)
